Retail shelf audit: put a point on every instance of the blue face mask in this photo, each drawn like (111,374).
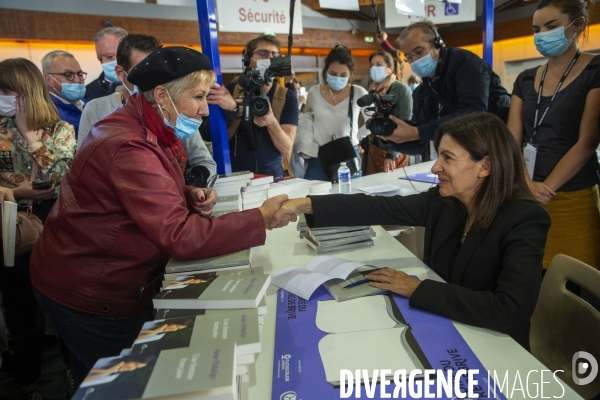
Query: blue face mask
(71,91)
(337,82)
(185,127)
(377,74)
(413,86)
(109,71)
(424,66)
(135,88)
(552,43)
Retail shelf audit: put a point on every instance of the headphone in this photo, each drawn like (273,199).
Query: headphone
(438,43)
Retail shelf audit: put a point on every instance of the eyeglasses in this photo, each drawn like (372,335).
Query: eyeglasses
(266,53)
(418,53)
(71,75)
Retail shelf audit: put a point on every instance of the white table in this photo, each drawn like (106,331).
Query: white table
(496,351)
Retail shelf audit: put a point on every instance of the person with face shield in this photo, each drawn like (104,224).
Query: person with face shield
(36,148)
(66,82)
(386,80)
(124,210)
(554,113)
(455,81)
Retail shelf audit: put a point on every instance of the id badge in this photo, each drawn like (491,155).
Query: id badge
(529,154)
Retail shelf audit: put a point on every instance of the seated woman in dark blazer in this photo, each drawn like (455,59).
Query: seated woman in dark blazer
(484,232)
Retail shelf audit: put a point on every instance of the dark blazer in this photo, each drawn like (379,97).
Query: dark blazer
(99,87)
(493,278)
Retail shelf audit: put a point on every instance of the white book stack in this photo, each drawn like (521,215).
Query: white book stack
(318,188)
(230,184)
(228,203)
(298,187)
(254,194)
(276,189)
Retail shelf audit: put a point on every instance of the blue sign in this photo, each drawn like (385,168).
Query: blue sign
(450,8)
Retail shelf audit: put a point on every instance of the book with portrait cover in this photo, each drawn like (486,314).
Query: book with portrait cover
(164,313)
(239,327)
(185,373)
(212,291)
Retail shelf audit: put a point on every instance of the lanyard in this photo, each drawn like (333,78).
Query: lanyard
(536,125)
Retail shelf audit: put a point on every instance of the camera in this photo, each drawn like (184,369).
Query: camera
(380,122)
(251,81)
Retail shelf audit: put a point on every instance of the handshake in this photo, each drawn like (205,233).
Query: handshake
(278,211)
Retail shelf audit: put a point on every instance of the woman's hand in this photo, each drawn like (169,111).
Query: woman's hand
(301,100)
(270,208)
(21,121)
(381,37)
(389,165)
(541,191)
(394,281)
(202,202)
(290,210)
(6,194)
(26,191)
(360,149)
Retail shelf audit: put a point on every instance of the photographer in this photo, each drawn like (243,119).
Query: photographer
(272,135)
(455,82)
(384,81)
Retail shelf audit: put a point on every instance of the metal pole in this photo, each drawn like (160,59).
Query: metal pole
(207,21)
(487,34)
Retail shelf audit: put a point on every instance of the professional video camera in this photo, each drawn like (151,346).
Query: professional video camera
(380,122)
(252,82)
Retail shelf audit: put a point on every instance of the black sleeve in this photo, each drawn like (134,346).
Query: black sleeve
(518,86)
(360,209)
(509,307)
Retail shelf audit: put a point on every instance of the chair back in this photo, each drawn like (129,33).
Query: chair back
(563,324)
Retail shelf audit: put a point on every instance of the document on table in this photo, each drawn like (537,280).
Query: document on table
(385,188)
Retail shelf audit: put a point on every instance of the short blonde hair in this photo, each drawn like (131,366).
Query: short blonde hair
(179,85)
(22,76)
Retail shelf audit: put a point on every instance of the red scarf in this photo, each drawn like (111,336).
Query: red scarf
(164,133)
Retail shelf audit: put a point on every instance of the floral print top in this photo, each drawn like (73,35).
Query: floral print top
(57,143)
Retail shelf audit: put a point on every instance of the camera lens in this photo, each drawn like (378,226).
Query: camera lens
(382,126)
(259,106)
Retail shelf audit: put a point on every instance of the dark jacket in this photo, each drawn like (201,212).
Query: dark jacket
(466,83)
(493,278)
(99,88)
(68,112)
(123,210)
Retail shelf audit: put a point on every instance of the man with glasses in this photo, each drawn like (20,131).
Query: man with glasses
(66,82)
(455,81)
(274,132)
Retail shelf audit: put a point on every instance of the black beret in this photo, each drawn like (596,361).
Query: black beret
(165,65)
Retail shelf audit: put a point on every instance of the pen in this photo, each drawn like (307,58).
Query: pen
(357,283)
(211,183)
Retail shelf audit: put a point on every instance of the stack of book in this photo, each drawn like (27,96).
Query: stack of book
(230,203)
(318,188)
(228,189)
(298,187)
(231,261)
(325,240)
(276,189)
(254,194)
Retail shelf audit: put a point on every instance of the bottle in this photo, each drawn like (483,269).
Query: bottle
(344,179)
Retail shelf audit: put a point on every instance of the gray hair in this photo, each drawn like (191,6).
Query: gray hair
(426,26)
(48,58)
(177,86)
(111,30)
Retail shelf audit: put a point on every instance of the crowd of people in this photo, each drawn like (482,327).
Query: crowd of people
(518,175)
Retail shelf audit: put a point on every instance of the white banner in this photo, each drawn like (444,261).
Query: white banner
(258,16)
(410,7)
(438,13)
(340,4)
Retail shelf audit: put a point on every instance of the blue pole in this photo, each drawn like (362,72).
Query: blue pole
(488,32)
(207,21)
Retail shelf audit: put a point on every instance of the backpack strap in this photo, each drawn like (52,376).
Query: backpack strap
(278,100)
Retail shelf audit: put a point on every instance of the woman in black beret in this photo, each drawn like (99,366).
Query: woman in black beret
(124,210)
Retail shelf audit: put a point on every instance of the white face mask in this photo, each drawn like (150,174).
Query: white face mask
(8,106)
(262,66)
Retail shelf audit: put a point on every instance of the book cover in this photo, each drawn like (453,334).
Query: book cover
(170,278)
(239,327)
(337,229)
(350,246)
(340,292)
(214,292)
(198,372)
(335,242)
(234,259)
(317,237)
(235,176)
